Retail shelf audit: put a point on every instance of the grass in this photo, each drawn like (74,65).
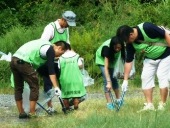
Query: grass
(93,113)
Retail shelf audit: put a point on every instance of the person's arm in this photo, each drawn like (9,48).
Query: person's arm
(127,69)
(51,68)
(106,54)
(48,32)
(167,37)
(106,70)
(54,81)
(81,63)
(130,51)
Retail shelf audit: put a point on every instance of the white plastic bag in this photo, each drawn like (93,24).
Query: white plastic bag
(5,56)
(87,80)
(26,96)
(119,69)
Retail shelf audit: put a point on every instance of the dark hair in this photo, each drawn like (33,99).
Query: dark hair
(63,44)
(114,41)
(123,32)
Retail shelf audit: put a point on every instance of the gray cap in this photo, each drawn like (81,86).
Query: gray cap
(70,17)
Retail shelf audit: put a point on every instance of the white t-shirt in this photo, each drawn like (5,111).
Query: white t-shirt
(48,32)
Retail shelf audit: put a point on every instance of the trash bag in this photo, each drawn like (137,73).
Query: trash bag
(87,80)
(26,96)
(5,56)
(119,69)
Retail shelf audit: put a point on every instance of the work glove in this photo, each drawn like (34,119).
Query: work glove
(125,85)
(57,91)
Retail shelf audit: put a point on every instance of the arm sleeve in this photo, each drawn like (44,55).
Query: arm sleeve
(68,37)
(48,32)
(50,61)
(105,52)
(130,52)
(153,31)
(80,61)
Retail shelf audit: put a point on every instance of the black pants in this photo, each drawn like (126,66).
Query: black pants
(43,71)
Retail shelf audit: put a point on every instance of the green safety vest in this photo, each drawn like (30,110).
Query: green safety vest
(58,36)
(71,79)
(149,50)
(100,60)
(30,52)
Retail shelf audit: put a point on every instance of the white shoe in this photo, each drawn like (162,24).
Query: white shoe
(147,107)
(51,110)
(161,106)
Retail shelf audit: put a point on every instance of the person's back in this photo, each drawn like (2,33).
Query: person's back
(71,79)
(30,52)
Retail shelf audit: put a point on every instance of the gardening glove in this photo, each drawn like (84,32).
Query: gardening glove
(125,85)
(57,91)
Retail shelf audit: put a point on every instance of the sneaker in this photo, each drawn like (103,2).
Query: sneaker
(148,107)
(23,115)
(51,110)
(32,115)
(119,102)
(110,106)
(161,106)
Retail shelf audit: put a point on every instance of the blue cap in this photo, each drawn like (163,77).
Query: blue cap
(70,17)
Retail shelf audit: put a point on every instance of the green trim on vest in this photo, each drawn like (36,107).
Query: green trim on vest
(100,60)
(71,78)
(58,36)
(30,52)
(149,51)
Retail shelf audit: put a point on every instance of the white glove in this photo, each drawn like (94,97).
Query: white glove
(57,91)
(125,85)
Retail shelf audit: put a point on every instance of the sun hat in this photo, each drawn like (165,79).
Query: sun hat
(70,17)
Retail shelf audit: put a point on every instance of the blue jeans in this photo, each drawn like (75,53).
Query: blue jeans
(114,81)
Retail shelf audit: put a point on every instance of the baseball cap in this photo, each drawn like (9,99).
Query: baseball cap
(70,17)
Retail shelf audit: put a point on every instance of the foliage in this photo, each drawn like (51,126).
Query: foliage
(97,21)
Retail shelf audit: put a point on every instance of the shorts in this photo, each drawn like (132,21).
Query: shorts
(151,68)
(114,81)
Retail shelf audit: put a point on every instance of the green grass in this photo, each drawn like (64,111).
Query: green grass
(93,113)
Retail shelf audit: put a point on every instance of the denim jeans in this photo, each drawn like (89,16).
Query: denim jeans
(114,81)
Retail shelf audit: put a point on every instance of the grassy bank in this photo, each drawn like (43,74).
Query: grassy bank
(92,113)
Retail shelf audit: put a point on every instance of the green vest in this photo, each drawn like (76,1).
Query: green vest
(149,51)
(100,60)
(30,52)
(58,36)
(71,79)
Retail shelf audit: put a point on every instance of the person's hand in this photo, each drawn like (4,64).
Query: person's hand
(125,85)
(109,86)
(57,91)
